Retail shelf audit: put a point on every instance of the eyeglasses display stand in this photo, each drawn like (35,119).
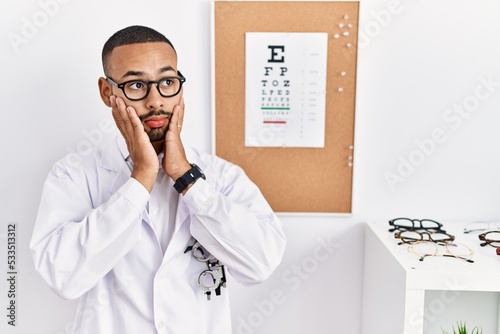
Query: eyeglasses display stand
(396,281)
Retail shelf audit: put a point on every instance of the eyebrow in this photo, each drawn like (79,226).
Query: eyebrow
(166,69)
(133,74)
(141,73)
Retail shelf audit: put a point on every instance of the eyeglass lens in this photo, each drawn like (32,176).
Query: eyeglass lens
(138,89)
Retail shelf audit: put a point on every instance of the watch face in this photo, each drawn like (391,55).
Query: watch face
(199,169)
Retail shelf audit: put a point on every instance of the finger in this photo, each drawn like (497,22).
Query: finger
(181,112)
(112,100)
(115,109)
(176,120)
(135,121)
(124,117)
(116,115)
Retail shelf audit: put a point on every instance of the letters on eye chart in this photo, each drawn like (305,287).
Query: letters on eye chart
(285,89)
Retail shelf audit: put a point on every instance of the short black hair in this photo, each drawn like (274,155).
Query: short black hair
(131,35)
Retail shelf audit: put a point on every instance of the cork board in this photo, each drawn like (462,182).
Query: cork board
(291,179)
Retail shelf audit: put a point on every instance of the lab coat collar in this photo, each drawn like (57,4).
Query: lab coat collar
(122,146)
(108,159)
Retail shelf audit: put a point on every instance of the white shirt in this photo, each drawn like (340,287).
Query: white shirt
(162,205)
(94,239)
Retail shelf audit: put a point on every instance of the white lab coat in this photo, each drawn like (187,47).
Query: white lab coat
(93,240)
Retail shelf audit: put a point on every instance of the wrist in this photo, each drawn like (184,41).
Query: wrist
(145,177)
(181,171)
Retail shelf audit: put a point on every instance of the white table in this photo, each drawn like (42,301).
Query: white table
(395,281)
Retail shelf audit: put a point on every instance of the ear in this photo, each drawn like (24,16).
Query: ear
(105,91)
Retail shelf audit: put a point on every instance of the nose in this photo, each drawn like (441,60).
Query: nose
(154,100)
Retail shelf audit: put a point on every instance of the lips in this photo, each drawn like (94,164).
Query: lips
(156,122)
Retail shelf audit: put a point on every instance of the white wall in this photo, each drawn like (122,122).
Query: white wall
(423,63)
(414,65)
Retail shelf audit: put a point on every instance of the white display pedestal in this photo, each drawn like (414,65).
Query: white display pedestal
(395,281)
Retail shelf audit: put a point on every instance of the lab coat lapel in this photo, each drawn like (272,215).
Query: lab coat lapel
(115,158)
(182,234)
(182,214)
(122,176)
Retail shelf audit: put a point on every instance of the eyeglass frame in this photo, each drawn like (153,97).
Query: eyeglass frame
(413,228)
(148,84)
(491,226)
(450,254)
(489,242)
(450,238)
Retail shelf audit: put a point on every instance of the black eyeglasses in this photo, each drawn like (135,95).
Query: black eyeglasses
(408,237)
(136,90)
(405,224)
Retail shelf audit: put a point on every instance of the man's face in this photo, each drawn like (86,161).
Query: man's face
(148,62)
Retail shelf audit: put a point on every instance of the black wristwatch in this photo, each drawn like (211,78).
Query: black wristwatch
(190,177)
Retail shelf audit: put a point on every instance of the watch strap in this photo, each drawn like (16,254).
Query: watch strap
(188,178)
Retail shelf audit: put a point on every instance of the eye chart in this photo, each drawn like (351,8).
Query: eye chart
(285,89)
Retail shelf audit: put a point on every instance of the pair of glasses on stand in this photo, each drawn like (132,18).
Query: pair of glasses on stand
(425,237)
(407,224)
(427,248)
(491,238)
(409,237)
(482,227)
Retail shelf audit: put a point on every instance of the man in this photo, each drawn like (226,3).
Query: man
(143,230)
